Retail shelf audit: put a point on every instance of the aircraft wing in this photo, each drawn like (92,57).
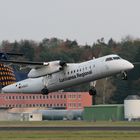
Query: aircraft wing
(26,64)
(39,68)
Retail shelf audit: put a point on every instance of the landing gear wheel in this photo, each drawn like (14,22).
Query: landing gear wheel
(92,92)
(44,91)
(124,76)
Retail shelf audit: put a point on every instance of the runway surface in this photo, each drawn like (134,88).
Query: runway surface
(68,128)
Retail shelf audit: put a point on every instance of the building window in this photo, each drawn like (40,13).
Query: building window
(79,96)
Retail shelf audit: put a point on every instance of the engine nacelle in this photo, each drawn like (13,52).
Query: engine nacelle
(51,68)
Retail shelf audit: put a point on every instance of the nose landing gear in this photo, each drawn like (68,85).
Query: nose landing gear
(124,75)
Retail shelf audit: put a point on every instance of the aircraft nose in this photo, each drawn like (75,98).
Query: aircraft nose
(129,65)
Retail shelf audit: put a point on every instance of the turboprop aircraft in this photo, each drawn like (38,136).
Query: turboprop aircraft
(46,77)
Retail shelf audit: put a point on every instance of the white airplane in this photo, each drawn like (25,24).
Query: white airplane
(46,77)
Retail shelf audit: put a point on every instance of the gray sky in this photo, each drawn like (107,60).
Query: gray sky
(81,20)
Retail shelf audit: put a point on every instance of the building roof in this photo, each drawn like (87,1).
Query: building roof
(132,97)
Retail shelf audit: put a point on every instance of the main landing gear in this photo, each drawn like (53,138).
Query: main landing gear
(92,91)
(124,75)
(45,91)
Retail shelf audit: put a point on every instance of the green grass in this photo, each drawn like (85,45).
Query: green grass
(69,123)
(66,135)
(69,135)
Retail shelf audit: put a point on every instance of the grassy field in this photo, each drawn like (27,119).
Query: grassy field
(69,135)
(78,135)
(69,123)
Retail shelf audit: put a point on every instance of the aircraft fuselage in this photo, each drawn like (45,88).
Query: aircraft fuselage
(73,74)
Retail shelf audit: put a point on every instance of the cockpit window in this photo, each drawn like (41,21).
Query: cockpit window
(109,59)
(116,58)
(112,58)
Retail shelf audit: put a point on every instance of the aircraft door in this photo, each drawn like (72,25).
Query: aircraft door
(100,68)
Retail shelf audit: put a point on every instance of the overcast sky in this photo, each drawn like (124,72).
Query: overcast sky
(81,20)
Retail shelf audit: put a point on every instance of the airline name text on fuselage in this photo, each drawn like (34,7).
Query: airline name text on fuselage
(78,75)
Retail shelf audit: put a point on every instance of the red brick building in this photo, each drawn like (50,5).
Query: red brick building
(65,100)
